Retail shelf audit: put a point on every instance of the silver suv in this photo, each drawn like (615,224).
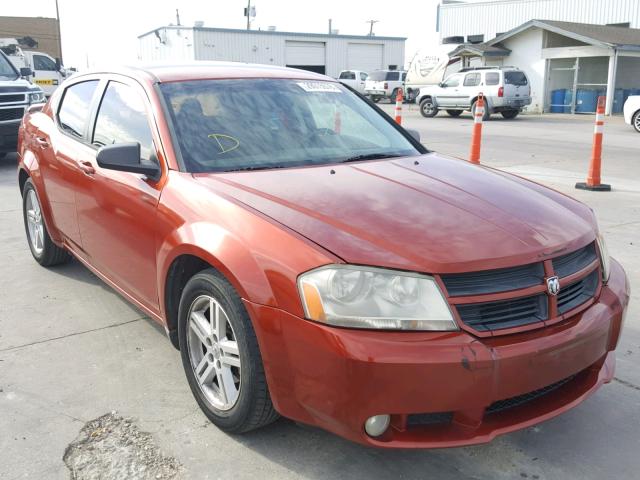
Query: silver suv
(506,91)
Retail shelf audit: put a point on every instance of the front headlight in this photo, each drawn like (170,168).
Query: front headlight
(366,297)
(605,261)
(37,97)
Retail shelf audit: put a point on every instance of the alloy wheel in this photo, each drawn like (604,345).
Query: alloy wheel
(636,121)
(35,225)
(213,351)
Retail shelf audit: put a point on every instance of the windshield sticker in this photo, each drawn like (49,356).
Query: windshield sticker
(324,87)
(227,143)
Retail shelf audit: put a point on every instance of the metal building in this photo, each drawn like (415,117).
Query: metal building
(480,21)
(322,53)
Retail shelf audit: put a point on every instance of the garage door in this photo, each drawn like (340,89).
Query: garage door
(305,55)
(364,56)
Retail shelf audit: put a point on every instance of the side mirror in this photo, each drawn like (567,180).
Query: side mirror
(26,72)
(442,85)
(414,133)
(125,157)
(58,64)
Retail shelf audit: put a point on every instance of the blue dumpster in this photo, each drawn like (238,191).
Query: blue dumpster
(557,100)
(586,100)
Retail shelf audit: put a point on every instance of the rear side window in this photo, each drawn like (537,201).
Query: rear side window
(74,111)
(347,76)
(363,76)
(492,78)
(122,118)
(472,80)
(515,78)
(404,76)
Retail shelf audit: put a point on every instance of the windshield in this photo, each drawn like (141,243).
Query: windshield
(6,69)
(246,124)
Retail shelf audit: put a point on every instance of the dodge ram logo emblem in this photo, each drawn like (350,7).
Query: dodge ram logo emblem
(553,285)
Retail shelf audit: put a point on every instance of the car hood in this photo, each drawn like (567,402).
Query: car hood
(428,213)
(15,85)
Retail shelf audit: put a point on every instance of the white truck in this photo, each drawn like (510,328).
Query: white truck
(47,72)
(16,96)
(354,79)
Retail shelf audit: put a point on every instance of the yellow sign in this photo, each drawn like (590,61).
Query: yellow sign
(44,82)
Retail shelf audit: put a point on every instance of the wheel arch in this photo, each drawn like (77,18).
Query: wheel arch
(220,251)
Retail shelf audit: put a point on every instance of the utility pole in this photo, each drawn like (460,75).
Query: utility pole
(371,22)
(59,35)
(177,17)
(248,14)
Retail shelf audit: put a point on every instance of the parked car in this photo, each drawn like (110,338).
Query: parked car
(384,84)
(16,96)
(632,112)
(354,78)
(333,272)
(46,71)
(506,90)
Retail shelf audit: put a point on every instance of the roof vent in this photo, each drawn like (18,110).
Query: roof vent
(271,28)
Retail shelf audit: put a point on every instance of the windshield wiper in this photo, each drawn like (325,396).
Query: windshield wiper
(262,167)
(370,156)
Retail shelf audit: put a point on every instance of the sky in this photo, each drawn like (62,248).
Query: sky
(97,33)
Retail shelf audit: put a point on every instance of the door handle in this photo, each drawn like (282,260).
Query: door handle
(42,142)
(86,168)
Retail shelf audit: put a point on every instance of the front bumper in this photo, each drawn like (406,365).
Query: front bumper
(337,378)
(9,136)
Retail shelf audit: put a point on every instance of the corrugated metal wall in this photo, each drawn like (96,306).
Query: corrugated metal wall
(492,18)
(266,48)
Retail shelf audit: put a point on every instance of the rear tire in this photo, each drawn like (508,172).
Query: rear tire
(394,94)
(454,113)
(220,355)
(635,121)
(486,115)
(44,251)
(510,114)
(427,108)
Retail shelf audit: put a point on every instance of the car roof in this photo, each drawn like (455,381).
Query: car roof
(175,72)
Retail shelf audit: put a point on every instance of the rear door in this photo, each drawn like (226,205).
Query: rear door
(516,86)
(61,149)
(470,88)
(117,210)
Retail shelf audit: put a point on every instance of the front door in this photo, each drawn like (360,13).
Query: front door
(449,91)
(45,73)
(117,210)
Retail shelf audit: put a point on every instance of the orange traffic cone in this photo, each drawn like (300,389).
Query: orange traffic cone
(476,136)
(399,107)
(593,178)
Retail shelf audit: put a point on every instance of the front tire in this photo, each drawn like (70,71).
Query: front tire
(427,108)
(220,355)
(510,114)
(635,121)
(44,251)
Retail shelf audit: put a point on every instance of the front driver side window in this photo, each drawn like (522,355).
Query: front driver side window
(122,118)
(453,81)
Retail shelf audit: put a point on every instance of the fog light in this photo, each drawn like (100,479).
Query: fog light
(377,425)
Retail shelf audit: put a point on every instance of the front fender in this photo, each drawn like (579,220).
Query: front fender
(223,251)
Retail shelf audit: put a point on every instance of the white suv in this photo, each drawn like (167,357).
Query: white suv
(632,112)
(384,84)
(506,90)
